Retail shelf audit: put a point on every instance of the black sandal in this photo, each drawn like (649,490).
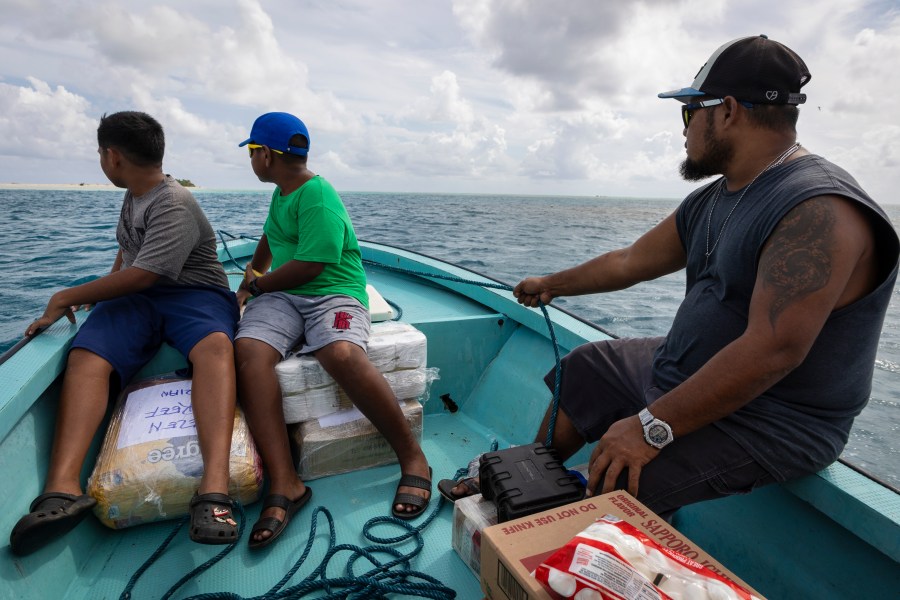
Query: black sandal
(418,502)
(445,487)
(50,516)
(272,524)
(211,519)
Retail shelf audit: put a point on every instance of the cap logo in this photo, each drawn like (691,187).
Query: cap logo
(771,95)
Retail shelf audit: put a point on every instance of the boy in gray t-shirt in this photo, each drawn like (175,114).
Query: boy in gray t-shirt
(166,285)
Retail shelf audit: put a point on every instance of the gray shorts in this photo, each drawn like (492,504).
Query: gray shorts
(288,321)
(603,382)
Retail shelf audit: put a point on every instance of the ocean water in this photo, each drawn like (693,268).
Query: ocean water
(55,239)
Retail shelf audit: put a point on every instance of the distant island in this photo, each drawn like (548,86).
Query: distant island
(76,186)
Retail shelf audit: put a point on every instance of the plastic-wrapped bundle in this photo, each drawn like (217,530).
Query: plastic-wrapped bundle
(313,403)
(392,345)
(150,465)
(346,441)
(612,559)
(471,515)
(299,373)
(317,402)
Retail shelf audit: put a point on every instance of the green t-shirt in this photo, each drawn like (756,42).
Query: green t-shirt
(311,224)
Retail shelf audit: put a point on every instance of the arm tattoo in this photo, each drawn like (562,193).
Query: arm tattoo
(797,261)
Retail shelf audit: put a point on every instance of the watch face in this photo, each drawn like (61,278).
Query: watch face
(657,434)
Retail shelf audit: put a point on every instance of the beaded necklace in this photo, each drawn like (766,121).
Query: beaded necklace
(709,249)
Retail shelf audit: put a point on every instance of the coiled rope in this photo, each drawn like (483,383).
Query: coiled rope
(382,579)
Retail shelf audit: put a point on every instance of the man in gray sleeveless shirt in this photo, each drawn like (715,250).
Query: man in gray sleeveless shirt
(789,267)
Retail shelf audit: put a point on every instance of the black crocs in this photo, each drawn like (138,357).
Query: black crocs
(212,521)
(50,516)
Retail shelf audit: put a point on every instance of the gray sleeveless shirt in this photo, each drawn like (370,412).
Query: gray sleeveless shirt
(801,424)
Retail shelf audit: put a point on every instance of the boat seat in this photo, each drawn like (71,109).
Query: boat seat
(379,309)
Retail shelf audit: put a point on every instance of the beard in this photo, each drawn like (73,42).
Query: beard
(716,157)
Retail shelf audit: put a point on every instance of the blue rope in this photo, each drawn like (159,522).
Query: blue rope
(554,407)
(126,593)
(378,582)
(397,309)
(222,235)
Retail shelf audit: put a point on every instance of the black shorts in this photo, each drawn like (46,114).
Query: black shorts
(603,382)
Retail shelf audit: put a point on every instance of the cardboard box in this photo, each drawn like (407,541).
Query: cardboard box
(346,441)
(511,551)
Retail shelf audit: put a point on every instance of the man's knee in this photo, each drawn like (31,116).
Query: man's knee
(215,348)
(251,354)
(340,355)
(85,362)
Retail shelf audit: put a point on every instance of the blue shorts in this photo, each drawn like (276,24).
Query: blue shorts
(127,331)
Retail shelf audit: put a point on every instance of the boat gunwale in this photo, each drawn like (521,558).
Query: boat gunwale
(828,491)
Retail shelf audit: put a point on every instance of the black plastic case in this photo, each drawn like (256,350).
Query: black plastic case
(526,479)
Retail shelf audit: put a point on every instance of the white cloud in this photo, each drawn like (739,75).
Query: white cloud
(43,123)
(462,95)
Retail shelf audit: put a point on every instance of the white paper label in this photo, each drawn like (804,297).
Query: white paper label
(159,412)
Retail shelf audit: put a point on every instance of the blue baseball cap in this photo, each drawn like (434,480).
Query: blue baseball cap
(275,130)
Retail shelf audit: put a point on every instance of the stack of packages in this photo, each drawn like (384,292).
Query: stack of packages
(330,436)
(150,465)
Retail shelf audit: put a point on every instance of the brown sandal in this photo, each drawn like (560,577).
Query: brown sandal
(445,487)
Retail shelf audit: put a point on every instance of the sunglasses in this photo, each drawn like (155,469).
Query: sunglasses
(252,147)
(687,110)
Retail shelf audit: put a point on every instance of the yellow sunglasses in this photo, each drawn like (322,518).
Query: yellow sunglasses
(252,147)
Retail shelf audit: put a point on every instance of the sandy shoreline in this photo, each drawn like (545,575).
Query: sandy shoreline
(58,186)
(69,186)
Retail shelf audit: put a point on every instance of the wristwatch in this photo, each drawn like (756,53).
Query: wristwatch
(253,288)
(657,432)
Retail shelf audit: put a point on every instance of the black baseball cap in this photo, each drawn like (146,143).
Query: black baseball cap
(752,69)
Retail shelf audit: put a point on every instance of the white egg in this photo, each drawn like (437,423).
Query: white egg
(560,582)
(588,594)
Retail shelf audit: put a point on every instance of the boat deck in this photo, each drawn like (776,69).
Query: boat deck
(449,440)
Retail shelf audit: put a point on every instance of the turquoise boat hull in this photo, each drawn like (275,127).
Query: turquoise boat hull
(835,534)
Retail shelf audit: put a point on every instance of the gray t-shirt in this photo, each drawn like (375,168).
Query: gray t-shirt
(165,232)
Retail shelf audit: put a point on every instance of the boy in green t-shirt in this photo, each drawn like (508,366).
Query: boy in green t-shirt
(314,292)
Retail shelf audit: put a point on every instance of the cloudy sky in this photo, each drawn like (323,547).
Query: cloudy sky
(479,96)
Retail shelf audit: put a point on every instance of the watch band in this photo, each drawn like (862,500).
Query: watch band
(657,432)
(253,288)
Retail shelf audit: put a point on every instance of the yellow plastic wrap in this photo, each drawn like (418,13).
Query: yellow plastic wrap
(150,465)
(346,441)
